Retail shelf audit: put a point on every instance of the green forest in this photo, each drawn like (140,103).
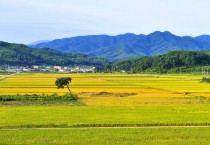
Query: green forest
(174,60)
(19,54)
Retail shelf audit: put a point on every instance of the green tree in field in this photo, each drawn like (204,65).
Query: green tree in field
(64,81)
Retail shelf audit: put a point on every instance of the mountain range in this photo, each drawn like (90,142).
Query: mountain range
(127,45)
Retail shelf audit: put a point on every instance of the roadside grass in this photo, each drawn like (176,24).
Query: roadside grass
(107,136)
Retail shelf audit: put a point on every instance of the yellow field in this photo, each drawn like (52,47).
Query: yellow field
(1,75)
(108,99)
(146,89)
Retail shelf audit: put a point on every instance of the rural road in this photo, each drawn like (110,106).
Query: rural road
(7,76)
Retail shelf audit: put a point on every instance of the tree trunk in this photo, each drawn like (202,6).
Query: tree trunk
(69,89)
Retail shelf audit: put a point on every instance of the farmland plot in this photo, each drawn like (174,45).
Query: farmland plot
(113,100)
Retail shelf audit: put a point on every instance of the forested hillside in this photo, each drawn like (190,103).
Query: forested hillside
(165,62)
(19,54)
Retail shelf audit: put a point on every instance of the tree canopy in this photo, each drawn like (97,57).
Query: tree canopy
(162,63)
(64,81)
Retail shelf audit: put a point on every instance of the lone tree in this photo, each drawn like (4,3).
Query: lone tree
(64,81)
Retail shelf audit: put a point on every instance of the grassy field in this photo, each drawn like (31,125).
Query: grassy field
(108,99)
(108,136)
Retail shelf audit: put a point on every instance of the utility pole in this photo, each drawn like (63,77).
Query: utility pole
(131,69)
(205,72)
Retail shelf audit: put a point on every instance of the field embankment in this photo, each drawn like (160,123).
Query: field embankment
(2,77)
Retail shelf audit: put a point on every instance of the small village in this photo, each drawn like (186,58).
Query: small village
(37,68)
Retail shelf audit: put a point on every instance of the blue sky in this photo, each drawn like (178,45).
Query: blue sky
(26,21)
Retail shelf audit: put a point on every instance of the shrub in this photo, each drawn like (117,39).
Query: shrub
(206,80)
(39,98)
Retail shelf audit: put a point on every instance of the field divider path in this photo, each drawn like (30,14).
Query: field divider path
(69,126)
(117,127)
(7,76)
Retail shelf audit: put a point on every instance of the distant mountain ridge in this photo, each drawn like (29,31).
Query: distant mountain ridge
(38,42)
(128,45)
(203,38)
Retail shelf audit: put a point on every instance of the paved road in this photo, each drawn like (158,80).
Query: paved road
(7,76)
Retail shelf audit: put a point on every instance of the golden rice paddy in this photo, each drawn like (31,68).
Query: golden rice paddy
(109,99)
(146,88)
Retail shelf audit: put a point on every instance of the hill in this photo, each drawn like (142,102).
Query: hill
(127,45)
(163,63)
(19,54)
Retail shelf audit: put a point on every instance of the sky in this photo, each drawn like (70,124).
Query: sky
(27,21)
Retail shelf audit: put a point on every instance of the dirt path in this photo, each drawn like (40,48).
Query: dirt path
(7,76)
(149,127)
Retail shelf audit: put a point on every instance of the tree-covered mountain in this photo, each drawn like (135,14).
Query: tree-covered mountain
(203,38)
(127,45)
(19,54)
(164,62)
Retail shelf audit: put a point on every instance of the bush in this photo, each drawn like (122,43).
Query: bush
(206,80)
(39,98)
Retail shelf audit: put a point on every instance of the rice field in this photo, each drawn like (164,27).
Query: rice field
(108,99)
(68,116)
(108,136)
(145,89)
(2,74)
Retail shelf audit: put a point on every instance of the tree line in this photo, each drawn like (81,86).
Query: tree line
(162,63)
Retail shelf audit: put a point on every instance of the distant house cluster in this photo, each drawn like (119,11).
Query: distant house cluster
(82,70)
(59,69)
